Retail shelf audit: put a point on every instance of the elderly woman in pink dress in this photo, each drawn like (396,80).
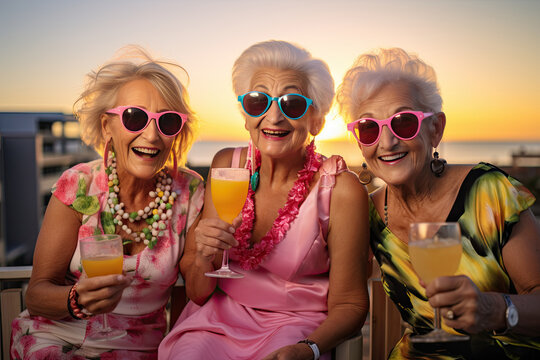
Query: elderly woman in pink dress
(135,112)
(300,251)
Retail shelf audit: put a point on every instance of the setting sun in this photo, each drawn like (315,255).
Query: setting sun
(334,127)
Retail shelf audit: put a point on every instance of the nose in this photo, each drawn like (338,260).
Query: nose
(274,114)
(387,140)
(151,132)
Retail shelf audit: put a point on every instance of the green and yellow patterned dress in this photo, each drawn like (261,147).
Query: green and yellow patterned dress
(487,207)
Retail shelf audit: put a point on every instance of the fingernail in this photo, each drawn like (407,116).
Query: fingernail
(120,277)
(232,230)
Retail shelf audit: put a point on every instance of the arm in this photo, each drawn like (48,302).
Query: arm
(348,236)
(205,242)
(47,291)
(348,301)
(485,311)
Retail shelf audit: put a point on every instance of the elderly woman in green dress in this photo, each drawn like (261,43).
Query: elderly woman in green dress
(394,109)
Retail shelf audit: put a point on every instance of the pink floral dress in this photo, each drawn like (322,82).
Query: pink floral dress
(141,311)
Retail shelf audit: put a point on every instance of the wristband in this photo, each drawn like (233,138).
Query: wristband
(75,309)
(313,346)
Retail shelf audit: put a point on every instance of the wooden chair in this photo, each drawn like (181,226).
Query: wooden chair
(385,323)
(11,300)
(12,303)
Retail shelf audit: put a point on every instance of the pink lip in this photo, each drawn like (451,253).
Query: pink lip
(393,162)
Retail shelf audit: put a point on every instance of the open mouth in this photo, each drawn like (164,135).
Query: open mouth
(145,152)
(275,133)
(394,157)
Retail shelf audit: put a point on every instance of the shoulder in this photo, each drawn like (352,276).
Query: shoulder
(187,179)
(82,181)
(224,156)
(489,184)
(485,174)
(348,187)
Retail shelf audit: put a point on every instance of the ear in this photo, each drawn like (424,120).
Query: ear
(439,123)
(316,125)
(106,131)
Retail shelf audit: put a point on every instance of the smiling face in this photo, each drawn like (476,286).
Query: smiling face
(142,154)
(398,161)
(272,133)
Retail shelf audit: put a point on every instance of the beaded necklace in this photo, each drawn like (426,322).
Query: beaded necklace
(251,255)
(156,214)
(386,206)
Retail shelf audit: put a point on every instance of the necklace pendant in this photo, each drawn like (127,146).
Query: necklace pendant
(254,181)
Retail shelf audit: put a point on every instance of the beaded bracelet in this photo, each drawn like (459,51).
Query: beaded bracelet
(75,309)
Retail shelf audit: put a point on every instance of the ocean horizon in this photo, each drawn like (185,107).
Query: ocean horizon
(455,152)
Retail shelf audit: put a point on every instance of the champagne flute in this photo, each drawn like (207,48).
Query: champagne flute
(103,255)
(229,187)
(435,250)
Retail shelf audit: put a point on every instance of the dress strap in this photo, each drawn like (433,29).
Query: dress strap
(330,168)
(328,171)
(235,162)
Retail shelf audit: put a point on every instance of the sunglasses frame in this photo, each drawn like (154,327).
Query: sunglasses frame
(119,110)
(276,99)
(420,115)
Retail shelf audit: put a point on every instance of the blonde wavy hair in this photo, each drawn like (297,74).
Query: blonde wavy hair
(371,71)
(132,63)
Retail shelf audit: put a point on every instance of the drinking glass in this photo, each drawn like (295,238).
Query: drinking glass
(229,187)
(435,250)
(103,255)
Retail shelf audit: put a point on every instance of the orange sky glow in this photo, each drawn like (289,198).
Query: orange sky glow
(485,52)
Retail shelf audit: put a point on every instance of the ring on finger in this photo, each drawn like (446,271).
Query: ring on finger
(450,315)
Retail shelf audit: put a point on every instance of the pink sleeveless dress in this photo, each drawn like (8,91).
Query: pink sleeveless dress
(279,303)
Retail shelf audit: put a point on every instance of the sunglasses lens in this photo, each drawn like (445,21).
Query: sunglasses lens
(293,106)
(405,125)
(170,124)
(367,131)
(134,119)
(255,103)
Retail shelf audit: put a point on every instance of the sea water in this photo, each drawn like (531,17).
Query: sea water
(455,152)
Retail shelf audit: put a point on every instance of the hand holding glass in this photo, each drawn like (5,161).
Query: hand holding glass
(229,188)
(103,255)
(435,250)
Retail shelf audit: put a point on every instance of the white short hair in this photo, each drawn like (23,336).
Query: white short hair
(371,71)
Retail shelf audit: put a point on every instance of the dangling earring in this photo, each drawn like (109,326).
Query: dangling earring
(255,177)
(364,175)
(437,165)
(106,153)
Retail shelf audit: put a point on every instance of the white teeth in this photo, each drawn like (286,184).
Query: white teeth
(393,157)
(146,151)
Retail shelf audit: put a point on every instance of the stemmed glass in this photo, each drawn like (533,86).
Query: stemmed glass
(103,255)
(229,187)
(435,250)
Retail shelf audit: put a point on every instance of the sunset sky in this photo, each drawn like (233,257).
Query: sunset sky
(486,52)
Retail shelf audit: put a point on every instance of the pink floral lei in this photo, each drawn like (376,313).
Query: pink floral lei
(251,255)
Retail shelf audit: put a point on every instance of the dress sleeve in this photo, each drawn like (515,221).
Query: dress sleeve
(72,188)
(499,201)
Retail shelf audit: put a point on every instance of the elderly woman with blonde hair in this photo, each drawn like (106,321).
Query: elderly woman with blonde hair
(135,112)
(301,254)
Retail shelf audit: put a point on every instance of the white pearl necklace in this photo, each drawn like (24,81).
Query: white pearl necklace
(156,214)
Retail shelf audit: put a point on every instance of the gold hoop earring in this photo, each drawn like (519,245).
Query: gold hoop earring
(364,175)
